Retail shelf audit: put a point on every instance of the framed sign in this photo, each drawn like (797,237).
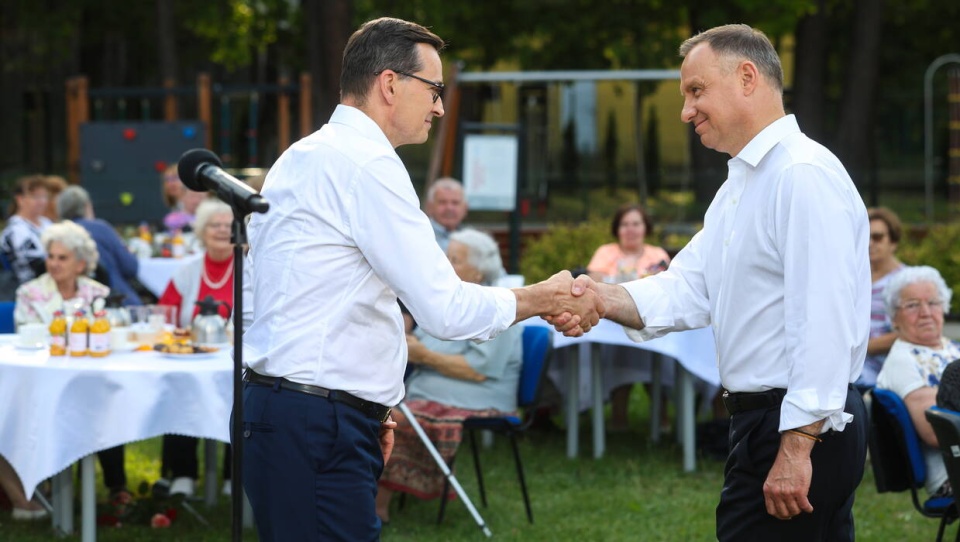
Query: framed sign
(490,172)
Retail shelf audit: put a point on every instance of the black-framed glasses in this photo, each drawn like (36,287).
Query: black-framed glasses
(438,86)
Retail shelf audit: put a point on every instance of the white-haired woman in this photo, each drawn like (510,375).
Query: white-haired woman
(211,275)
(71,256)
(916,299)
(453,380)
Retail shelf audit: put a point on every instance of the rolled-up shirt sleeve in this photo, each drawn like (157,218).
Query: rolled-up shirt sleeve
(816,234)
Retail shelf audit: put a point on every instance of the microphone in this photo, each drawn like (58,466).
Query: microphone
(201,170)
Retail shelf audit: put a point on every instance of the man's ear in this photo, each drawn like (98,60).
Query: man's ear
(387,86)
(748,76)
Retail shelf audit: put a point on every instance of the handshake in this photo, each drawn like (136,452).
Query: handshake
(572,306)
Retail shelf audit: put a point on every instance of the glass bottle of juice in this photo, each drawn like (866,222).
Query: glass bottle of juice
(177,248)
(99,342)
(58,335)
(77,340)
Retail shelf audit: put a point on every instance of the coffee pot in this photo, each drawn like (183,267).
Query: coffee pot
(208,326)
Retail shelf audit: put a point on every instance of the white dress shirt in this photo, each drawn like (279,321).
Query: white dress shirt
(781,270)
(344,238)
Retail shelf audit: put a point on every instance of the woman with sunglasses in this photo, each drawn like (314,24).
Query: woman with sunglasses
(885,232)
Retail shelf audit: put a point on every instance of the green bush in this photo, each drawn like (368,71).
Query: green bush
(563,246)
(939,248)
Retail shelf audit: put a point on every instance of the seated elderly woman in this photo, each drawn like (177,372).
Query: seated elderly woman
(211,275)
(453,380)
(916,299)
(71,255)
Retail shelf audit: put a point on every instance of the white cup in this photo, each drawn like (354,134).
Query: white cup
(32,336)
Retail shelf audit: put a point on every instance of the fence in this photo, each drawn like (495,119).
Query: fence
(137,103)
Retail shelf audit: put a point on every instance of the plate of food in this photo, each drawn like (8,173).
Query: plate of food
(185,351)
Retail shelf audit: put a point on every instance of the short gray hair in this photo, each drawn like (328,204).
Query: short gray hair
(482,253)
(205,211)
(445,183)
(76,239)
(72,203)
(914,275)
(740,41)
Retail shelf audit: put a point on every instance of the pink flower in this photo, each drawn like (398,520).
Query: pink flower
(159,520)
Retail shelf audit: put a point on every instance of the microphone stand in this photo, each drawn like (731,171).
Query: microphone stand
(239,238)
(201,170)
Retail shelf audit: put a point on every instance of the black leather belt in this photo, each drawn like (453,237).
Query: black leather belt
(744,401)
(369,408)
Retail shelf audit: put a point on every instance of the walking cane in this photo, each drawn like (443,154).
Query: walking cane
(447,473)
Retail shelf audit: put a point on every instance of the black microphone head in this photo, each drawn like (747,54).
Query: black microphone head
(189,165)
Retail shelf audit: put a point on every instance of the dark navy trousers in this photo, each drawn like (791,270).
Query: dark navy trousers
(310,467)
(838,464)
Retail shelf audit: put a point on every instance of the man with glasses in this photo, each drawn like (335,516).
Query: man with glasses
(344,239)
(780,270)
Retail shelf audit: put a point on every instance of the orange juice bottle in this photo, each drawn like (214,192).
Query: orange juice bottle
(58,335)
(99,342)
(77,340)
(177,248)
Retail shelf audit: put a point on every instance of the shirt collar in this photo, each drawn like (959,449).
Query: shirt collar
(769,137)
(358,120)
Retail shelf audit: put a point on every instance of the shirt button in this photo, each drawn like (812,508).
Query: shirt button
(733,201)
(246,434)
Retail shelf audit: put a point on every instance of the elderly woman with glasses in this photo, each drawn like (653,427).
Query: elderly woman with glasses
(210,275)
(452,380)
(71,257)
(916,299)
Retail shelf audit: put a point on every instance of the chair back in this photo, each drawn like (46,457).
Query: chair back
(537,341)
(895,451)
(6,317)
(946,425)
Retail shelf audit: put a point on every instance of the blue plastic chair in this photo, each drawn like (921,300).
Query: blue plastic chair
(537,343)
(6,317)
(897,457)
(946,425)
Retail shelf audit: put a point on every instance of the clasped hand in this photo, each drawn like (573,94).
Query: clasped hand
(576,306)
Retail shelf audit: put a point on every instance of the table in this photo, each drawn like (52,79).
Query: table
(58,410)
(155,273)
(694,350)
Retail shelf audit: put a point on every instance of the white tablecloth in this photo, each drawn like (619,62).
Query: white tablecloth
(694,350)
(57,410)
(155,273)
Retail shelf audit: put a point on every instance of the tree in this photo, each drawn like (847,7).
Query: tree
(327,26)
(857,110)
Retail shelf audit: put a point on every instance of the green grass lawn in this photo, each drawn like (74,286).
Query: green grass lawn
(638,491)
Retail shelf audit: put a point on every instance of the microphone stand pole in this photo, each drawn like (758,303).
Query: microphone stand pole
(239,238)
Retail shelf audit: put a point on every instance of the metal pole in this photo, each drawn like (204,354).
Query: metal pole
(402,407)
(928,127)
